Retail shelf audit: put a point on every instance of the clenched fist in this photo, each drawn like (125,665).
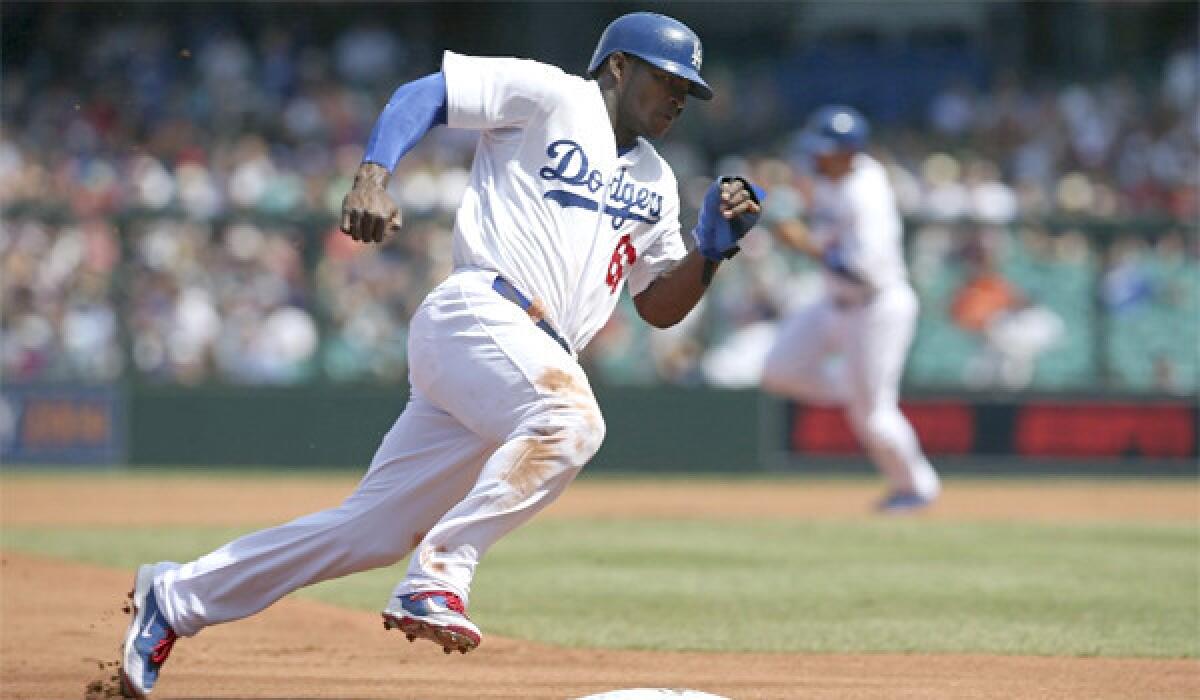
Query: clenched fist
(368,212)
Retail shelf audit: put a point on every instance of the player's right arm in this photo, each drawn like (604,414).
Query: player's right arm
(368,212)
(468,93)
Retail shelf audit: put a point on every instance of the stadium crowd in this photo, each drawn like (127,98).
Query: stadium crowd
(170,215)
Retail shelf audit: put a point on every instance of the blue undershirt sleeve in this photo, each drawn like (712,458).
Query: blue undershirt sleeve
(414,109)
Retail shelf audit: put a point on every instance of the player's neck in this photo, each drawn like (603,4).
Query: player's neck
(625,137)
(836,166)
(626,140)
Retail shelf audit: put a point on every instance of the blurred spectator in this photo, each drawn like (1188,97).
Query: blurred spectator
(1013,330)
(618,352)
(368,296)
(1126,284)
(746,303)
(367,53)
(230,304)
(59,318)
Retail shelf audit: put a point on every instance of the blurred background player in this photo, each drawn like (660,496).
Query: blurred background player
(849,347)
(566,201)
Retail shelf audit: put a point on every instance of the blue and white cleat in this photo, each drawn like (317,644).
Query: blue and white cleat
(438,616)
(898,502)
(149,640)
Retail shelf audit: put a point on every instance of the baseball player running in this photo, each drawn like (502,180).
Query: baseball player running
(567,203)
(868,312)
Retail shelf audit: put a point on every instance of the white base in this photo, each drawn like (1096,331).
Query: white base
(653,694)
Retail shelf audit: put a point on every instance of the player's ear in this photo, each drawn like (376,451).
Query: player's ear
(614,70)
(619,65)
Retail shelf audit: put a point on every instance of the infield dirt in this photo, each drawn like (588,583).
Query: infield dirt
(61,623)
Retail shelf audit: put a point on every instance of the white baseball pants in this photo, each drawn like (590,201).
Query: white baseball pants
(854,357)
(499,421)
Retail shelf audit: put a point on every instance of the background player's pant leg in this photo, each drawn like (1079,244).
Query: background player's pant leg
(876,348)
(425,464)
(484,361)
(797,365)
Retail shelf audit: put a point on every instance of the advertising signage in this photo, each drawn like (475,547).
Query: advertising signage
(61,425)
(1080,429)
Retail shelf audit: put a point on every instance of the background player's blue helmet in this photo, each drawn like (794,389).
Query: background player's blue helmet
(658,40)
(835,128)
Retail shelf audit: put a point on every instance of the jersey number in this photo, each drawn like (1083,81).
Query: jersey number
(623,256)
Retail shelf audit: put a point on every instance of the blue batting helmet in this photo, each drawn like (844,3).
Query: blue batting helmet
(658,40)
(835,128)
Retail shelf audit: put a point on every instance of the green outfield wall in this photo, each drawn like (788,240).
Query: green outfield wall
(660,429)
(650,430)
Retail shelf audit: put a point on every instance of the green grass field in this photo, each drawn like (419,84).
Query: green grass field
(784,585)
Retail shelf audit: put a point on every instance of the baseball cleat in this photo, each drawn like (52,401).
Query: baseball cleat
(438,616)
(904,502)
(149,640)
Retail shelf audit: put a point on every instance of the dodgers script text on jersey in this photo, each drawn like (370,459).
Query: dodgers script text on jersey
(570,165)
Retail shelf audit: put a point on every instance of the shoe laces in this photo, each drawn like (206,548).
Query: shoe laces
(162,649)
(452,601)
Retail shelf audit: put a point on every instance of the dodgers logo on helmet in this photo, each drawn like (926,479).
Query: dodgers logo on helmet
(660,41)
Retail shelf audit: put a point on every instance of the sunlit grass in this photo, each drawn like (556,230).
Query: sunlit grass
(779,585)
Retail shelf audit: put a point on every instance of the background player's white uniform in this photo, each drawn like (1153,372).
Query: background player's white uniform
(500,417)
(849,347)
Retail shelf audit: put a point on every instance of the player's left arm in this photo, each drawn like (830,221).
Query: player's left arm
(731,208)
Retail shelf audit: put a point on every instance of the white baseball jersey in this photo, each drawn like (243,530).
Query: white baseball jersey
(551,205)
(858,215)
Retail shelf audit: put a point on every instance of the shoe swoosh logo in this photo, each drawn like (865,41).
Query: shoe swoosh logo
(148,630)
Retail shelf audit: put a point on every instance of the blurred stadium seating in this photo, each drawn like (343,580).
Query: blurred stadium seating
(170,186)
